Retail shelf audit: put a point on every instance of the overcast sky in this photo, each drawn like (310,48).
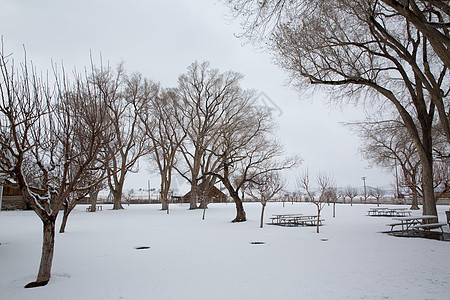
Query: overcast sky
(159,39)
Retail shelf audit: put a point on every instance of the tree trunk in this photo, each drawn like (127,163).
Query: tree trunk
(318,217)
(48,246)
(117,194)
(164,195)
(66,213)
(262,215)
(94,196)
(240,212)
(415,201)
(194,195)
(426,159)
(204,211)
(164,200)
(429,203)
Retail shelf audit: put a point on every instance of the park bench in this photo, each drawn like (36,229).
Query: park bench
(408,223)
(395,224)
(428,227)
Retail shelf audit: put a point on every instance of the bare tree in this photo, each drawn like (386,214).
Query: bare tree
(247,151)
(341,193)
(264,188)
(387,144)
(432,19)
(119,93)
(324,183)
(350,192)
(93,195)
(377,193)
(360,48)
(156,110)
(204,94)
(331,194)
(48,149)
(129,196)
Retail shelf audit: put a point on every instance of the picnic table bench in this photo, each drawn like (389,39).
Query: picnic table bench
(429,226)
(277,219)
(412,222)
(295,220)
(98,207)
(388,212)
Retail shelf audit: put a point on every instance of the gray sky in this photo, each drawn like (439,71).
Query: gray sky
(159,39)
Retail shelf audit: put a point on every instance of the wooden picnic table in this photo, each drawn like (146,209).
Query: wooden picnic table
(278,218)
(295,220)
(97,207)
(388,212)
(375,211)
(408,223)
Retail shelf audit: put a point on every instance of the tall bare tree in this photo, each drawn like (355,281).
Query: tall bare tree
(360,47)
(156,109)
(247,150)
(119,93)
(204,95)
(47,148)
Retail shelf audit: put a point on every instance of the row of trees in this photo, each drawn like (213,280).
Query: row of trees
(69,136)
(209,129)
(392,54)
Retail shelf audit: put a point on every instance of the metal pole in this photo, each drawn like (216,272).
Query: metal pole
(365,194)
(149,197)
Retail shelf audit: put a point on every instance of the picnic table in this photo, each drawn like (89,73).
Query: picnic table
(388,212)
(97,207)
(283,218)
(295,220)
(413,222)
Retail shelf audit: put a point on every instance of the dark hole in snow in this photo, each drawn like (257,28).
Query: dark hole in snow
(142,247)
(324,240)
(257,243)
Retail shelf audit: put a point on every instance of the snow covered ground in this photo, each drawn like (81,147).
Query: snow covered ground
(190,258)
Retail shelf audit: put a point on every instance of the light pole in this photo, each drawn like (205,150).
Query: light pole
(365,194)
(149,195)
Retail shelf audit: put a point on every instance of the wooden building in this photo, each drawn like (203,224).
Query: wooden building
(214,196)
(12,198)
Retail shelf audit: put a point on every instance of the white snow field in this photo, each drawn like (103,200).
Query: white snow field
(191,258)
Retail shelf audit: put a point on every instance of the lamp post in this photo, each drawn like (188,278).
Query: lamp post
(365,194)
(149,194)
